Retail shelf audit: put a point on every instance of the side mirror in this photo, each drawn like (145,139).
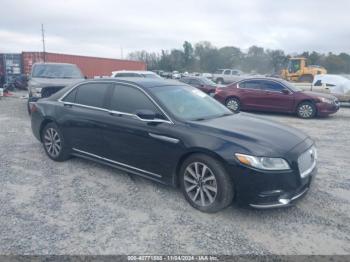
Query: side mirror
(146,114)
(285,91)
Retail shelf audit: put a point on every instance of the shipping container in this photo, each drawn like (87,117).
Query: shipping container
(90,66)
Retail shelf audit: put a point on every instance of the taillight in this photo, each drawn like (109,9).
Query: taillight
(33,107)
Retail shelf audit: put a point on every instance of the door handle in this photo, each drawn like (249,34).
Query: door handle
(164,138)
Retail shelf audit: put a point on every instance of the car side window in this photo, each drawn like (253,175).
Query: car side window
(318,83)
(127,75)
(128,99)
(92,94)
(234,72)
(250,85)
(272,86)
(227,72)
(71,96)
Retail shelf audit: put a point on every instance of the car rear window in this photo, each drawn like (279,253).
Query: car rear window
(92,94)
(71,96)
(250,85)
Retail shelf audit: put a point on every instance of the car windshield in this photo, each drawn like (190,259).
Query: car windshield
(154,76)
(219,72)
(56,71)
(291,86)
(189,103)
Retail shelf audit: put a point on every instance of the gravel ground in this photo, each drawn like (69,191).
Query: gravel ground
(79,207)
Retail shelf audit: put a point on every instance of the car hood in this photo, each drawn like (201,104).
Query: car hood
(253,134)
(42,82)
(318,94)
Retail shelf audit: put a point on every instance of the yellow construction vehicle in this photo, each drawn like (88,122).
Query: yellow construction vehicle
(299,71)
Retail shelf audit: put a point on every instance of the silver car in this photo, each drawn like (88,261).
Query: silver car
(47,78)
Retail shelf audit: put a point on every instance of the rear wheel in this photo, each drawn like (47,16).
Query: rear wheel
(306,110)
(205,183)
(233,104)
(54,143)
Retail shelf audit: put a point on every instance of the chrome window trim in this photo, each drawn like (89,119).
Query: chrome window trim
(117,163)
(117,112)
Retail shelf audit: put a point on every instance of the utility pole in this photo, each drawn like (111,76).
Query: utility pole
(43,39)
(121,52)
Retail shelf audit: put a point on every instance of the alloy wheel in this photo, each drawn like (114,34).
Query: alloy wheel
(232,104)
(52,142)
(306,111)
(200,184)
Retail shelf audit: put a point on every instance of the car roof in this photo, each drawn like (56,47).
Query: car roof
(141,82)
(134,71)
(51,63)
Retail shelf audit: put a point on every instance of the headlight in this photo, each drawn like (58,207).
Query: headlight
(326,100)
(264,163)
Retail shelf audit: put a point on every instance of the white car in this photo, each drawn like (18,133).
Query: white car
(336,84)
(176,75)
(145,74)
(226,76)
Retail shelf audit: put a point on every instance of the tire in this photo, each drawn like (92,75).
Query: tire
(199,192)
(220,81)
(306,79)
(233,104)
(59,150)
(28,107)
(306,110)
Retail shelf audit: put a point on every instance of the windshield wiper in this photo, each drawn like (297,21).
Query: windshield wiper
(199,119)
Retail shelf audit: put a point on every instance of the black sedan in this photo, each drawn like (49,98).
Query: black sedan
(177,135)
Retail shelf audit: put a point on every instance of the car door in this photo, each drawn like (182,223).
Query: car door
(227,76)
(82,116)
(250,94)
(274,97)
(147,147)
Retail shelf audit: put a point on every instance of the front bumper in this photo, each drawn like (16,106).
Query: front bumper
(324,109)
(285,200)
(273,189)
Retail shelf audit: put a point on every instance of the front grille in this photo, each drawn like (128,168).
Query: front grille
(307,161)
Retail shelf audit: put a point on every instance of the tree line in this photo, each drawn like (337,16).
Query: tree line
(205,57)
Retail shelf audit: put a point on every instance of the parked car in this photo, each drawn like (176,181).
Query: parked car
(202,83)
(276,95)
(336,84)
(48,78)
(145,74)
(177,135)
(207,75)
(225,76)
(175,75)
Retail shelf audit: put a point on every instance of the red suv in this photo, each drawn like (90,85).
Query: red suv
(275,95)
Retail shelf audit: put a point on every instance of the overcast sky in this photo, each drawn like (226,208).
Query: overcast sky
(102,28)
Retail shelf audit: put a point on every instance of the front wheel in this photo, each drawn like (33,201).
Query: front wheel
(205,183)
(306,110)
(54,143)
(233,104)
